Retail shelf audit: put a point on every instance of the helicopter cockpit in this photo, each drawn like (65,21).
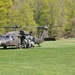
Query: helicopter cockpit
(6,37)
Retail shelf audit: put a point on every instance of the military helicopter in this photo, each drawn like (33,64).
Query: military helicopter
(21,39)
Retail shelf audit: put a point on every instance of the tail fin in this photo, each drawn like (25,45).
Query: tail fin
(44,33)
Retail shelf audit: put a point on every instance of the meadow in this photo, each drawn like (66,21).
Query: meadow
(52,58)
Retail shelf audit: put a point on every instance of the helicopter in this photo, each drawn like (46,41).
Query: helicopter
(21,39)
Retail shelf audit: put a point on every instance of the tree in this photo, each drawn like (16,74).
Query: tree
(4,12)
(70,27)
(53,13)
(24,16)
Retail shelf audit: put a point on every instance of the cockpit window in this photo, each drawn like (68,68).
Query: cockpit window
(12,37)
(0,37)
(7,37)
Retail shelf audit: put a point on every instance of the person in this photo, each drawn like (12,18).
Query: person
(25,42)
(31,42)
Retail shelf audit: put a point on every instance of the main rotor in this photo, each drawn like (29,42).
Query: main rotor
(16,27)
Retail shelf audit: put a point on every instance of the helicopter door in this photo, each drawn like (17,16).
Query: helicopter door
(22,39)
(14,41)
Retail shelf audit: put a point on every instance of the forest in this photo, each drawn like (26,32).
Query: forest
(58,15)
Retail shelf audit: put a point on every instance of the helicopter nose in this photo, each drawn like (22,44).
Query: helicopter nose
(3,43)
(0,42)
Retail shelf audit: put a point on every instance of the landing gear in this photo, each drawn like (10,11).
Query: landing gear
(4,47)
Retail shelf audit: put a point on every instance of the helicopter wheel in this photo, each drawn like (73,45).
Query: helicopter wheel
(4,47)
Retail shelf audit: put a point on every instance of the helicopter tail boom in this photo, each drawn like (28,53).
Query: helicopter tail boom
(44,33)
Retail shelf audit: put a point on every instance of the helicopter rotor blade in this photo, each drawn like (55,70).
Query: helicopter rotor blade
(16,26)
(10,26)
(21,26)
(32,26)
(38,27)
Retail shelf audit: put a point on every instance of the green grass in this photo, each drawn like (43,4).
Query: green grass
(52,58)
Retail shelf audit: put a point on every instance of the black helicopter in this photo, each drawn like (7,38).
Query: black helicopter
(21,39)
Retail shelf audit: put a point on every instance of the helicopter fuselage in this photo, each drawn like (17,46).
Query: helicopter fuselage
(8,40)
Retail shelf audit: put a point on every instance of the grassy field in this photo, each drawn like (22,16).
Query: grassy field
(52,58)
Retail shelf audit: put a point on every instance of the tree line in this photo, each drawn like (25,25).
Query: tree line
(58,15)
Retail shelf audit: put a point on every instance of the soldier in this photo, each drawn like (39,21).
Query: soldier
(31,43)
